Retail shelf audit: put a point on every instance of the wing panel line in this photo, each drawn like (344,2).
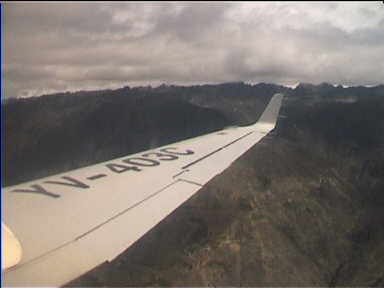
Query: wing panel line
(215,151)
(191,182)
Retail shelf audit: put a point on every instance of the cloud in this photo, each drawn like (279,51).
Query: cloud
(71,46)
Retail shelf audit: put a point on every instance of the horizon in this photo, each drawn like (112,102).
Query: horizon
(292,87)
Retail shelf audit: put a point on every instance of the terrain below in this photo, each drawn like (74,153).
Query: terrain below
(303,207)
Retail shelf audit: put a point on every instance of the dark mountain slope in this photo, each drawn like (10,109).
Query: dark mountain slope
(302,208)
(45,139)
(55,133)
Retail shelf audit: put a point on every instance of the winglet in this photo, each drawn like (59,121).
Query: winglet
(268,119)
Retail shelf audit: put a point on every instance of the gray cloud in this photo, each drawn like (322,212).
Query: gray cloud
(71,46)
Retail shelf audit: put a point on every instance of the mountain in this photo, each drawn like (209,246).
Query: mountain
(59,132)
(301,208)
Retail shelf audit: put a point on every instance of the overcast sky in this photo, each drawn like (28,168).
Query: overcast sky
(53,47)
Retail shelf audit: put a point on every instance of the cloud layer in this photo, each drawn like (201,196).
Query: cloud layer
(72,46)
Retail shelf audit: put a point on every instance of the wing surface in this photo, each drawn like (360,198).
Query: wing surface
(71,222)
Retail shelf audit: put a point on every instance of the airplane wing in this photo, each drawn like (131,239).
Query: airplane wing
(64,225)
